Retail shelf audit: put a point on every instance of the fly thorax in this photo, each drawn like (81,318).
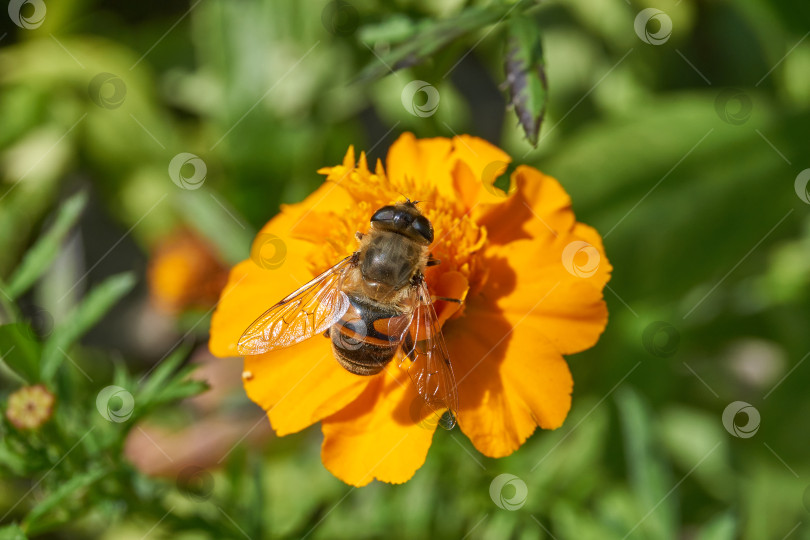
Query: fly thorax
(389,264)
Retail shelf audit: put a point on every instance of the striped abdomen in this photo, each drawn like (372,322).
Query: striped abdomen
(366,338)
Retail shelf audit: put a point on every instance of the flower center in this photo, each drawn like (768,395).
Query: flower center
(458,241)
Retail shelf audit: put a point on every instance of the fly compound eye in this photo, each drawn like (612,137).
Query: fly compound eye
(402,219)
(423,227)
(386,213)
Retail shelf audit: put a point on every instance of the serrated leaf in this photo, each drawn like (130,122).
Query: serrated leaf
(39,258)
(58,496)
(82,318)
(20,351)
(526,85)
(431,36)
(12,532)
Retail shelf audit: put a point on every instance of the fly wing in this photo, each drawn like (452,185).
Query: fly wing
(307,312)
(425,357)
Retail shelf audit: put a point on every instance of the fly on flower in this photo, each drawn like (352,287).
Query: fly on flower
(373,305)
(525,303)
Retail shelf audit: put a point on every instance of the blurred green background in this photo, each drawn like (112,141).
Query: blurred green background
(682,148)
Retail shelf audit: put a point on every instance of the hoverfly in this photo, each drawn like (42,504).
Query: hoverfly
(373,305)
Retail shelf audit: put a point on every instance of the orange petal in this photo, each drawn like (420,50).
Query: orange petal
(539,207)
(510,379)
(479,165)
(301,220)
(424,160)
(531,280)
(449,284)
(379,435)
(252,290)
(300,385)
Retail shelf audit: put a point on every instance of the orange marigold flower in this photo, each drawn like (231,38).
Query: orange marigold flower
(185,273)
(30,407)
(531,278)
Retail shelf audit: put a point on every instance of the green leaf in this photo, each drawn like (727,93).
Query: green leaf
(432,36)
(161,375)
(39,258)
(649,475)
(59,496)
(689,435)
(722,527)
(13,459)
(82,318)
(526,85)
(20,351)
(12,532)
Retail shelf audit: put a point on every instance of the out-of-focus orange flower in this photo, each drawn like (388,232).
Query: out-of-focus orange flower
(185,273)
(30,407)
(532,280)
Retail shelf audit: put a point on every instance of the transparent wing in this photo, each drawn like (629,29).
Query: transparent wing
(425,358)
(308,311)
